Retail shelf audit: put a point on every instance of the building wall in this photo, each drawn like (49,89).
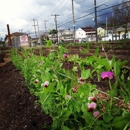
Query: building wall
(80,34)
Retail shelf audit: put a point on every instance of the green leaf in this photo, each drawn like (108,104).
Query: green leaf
(97,51)
(65,113)
(88,117)
(62,90)
(82,95)
(50,88)
(75,68)
(88,47)
(116,69)
(107,117)
(84,107)
(85,74)
(66,128)
(120,122)
(97,128)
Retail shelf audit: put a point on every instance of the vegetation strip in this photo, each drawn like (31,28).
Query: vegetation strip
(76,108)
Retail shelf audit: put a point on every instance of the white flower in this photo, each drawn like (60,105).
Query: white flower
(36,81)
(67,97)
(45,84)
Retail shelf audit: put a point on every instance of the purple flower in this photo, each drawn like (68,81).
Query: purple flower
(96,113)
(65,56)
(107,75)
(91,106)
(80,79)
(92,98)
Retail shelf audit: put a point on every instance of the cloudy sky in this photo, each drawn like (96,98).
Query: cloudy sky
(22,15)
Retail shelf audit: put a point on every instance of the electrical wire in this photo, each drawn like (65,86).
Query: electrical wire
(88,18)
(89,14)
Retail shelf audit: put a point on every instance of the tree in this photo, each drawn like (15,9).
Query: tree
(121,15)
(53,31)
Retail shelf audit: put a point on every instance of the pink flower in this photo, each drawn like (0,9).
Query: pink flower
(92,98)
(36,81)
(107,75)
(96,113)
(45,84)
(67,97)
(65,56)
(91,106)
(81,79)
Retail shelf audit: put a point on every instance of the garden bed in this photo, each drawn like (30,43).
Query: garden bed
(17,109)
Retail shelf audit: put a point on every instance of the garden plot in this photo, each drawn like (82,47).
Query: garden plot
(77,74)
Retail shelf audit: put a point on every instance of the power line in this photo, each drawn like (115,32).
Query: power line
(91,7)
(88,15)
(60,6)
(52,9)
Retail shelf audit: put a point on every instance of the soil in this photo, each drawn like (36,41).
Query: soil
(17,105)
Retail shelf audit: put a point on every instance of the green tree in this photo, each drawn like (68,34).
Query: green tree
(53,31)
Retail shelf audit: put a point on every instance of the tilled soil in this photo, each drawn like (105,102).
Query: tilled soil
(17,109)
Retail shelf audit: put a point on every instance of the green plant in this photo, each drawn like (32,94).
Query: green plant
(70,99)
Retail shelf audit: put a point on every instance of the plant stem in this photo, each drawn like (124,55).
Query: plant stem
(127,125)
(111,98)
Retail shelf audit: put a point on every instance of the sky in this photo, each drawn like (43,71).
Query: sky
(22,15)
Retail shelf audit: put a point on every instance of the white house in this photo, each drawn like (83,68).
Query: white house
(85,34)
(65,35)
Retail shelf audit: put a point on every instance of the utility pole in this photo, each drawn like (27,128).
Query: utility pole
(73,20)
(45,26)
(106,26)
(55,19)
(9,35)
(38,32)
(20,30)
(112,26)
(95,19)
(35,27)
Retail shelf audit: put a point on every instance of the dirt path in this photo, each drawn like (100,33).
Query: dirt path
(17,109)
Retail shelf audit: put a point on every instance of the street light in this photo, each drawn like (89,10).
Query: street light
(95,7)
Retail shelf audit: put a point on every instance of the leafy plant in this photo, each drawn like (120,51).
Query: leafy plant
(69,98)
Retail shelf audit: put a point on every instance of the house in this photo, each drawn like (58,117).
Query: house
(101,32)
(117,33)
(18,40)
(120,32)
(108,34)
(86,34)
(66,35)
